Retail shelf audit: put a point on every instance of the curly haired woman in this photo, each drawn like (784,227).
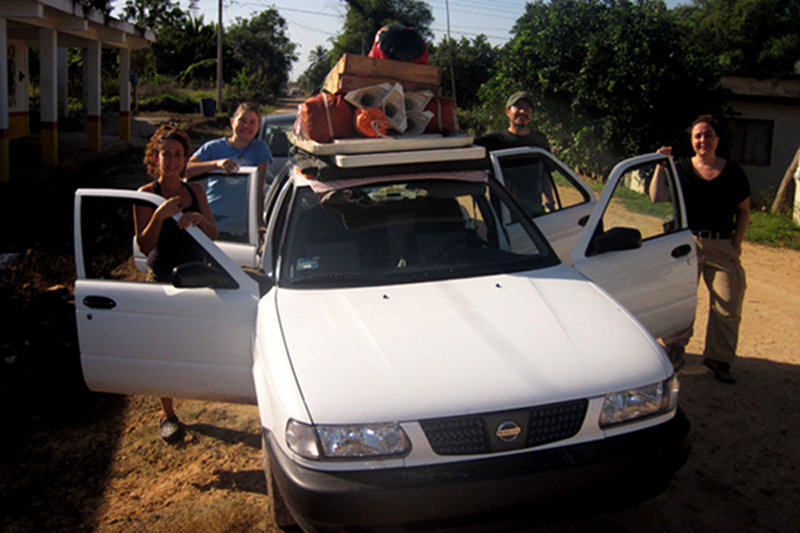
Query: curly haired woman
(160,237)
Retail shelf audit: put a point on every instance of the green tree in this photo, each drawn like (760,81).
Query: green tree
(365,17)
(258,49)
(611,78)
(188,48)
(472,64)
(101,5)
(153,14)
(312,78)
(744,37)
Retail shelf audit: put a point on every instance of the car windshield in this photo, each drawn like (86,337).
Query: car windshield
(406,232)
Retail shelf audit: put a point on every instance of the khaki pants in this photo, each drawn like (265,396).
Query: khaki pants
(722,272)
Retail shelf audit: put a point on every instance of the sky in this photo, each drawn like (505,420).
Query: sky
(314,22)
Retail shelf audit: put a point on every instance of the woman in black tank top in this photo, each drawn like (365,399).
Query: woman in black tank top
(160,237)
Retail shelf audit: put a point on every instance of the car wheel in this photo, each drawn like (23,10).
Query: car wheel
(278,510)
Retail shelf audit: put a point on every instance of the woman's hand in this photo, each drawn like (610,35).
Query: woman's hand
(228,165)
(169,208)
(192,218)
(665,150)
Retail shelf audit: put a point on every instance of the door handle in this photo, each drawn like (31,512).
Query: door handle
(99,302)
(583,220)
(681,250)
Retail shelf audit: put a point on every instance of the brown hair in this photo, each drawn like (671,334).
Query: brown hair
(167,132)
(244,107)
(708,119)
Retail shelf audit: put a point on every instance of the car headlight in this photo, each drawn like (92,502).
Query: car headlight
(362,441)
(633,404)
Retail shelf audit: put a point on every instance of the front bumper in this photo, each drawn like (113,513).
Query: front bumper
(615,471)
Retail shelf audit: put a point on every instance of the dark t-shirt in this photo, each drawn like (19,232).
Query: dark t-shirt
(174,246)
(711,205)
(499,140)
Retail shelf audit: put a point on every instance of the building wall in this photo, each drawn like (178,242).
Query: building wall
(764,180)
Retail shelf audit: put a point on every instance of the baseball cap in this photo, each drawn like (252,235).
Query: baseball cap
(517,96)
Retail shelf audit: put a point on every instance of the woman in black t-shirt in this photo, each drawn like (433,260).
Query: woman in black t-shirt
(717,197)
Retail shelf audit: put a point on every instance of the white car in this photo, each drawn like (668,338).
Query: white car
(418,352)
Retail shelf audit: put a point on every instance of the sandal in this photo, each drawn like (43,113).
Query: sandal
(172,429)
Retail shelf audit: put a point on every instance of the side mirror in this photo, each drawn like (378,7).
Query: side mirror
(201,275)
(616,239)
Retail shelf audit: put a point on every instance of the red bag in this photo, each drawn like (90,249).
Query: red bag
(324,117)
(400,43)
(445,115)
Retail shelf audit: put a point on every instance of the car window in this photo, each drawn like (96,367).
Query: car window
(228,197)
(108,236)
(631,208)
(405,232)
(540,185)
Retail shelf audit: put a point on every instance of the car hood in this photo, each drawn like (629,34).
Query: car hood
(412,351)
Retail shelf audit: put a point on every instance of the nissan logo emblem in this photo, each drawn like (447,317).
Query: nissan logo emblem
(508,431)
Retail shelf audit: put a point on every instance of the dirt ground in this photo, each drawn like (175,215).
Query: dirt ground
(71,460)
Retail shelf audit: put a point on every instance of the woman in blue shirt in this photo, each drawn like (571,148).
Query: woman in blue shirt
(228,154)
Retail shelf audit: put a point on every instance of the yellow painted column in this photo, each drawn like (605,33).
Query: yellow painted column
(125,125)
(49,141)
(19,124)
(93,127)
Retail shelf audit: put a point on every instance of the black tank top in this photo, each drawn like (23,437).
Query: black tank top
(174,246)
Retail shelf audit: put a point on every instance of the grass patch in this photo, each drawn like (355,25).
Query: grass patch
(773,229)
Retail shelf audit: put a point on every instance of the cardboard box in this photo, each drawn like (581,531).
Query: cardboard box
(354,71)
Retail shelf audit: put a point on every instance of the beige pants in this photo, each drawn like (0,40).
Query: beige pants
(722,272)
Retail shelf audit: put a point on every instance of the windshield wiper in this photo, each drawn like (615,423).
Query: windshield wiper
(338,278)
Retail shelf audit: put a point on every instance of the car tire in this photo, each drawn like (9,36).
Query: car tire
(278,510)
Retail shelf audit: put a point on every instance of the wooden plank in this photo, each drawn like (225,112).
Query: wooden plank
(347,82)
(354,71)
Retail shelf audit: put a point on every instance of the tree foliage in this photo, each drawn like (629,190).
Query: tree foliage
(611,78)
(190,45)
(259,49)
(312,78)
(153,14)
(100,5)
(365,17)
(472,62)
(744,37)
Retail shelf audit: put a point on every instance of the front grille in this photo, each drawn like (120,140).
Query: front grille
(475,434)
(559,421)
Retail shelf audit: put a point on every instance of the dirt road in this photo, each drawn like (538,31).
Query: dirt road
(80,461)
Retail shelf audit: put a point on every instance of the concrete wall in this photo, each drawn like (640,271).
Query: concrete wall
(764,181)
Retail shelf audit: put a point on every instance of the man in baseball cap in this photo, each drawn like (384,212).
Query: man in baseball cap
(519,110)
(531,189)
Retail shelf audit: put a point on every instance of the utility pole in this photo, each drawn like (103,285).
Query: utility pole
(450,52)
(219,60)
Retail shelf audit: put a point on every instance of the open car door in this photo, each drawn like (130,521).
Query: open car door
(558,201)
(191,338)
(641,252)
(233,199)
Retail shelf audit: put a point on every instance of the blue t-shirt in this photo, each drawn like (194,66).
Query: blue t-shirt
(225,195)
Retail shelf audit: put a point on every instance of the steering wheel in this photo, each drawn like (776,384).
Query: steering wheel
(459,244)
